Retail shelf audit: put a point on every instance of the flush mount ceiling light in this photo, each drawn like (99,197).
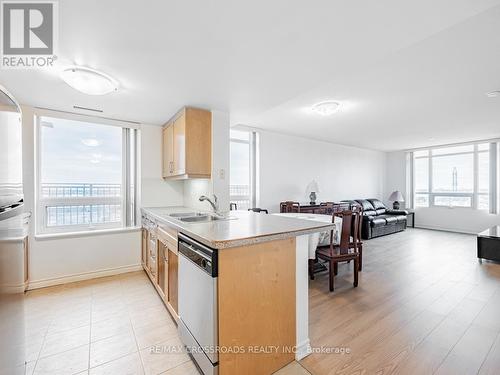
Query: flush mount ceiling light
(326,108)
(89,81)
(493,94)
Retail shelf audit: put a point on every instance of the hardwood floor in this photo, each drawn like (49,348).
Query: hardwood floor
(424,305)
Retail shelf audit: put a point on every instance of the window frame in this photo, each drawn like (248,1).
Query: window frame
(475,194)
(253,142)
(129,179)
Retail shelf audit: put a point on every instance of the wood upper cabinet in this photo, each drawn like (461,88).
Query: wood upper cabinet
(187,145)
(168,150)
(180,145)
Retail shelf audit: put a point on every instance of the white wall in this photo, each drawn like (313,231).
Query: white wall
(219,183)
(395,177)
(289,163)
(155,191)
(62,260)
(465,220)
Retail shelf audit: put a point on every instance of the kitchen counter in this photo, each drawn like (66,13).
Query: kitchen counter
(261,289)
(15,228)
(240,228)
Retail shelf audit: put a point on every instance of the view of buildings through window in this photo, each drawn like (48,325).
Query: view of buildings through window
(457,176)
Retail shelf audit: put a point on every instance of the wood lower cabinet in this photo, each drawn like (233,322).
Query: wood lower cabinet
(144,246)
(257,304)
(165,273)
(173,267)
(163,268)
(187,145)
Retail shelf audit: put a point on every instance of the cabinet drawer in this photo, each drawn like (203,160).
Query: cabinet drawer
(168,236)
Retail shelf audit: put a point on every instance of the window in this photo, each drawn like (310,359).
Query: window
(456,176)
(243,176)
(86,176)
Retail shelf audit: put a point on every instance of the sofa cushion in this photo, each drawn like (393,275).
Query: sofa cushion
(370,213)
(378,222)
(390,219)
(381,211)
(400,218)
(365,203)
(377,204)
(397,212)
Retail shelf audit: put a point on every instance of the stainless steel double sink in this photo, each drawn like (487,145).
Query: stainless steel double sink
(196,217)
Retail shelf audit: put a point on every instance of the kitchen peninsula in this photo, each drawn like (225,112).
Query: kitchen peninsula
(251,275)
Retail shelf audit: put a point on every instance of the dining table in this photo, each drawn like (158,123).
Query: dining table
(318,238)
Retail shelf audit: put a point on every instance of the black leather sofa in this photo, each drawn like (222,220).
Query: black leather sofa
(378,220)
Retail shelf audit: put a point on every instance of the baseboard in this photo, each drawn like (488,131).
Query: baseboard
(443,229)
(303,350)
(37,284)
(12,289)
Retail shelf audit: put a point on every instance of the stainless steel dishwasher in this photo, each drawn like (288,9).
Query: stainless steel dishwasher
(198,325)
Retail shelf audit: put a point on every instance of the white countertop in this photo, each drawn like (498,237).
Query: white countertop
(15,228)
(241,228)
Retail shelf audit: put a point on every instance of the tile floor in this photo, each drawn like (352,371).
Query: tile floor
(97,327)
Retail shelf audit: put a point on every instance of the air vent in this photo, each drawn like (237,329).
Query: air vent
(87,109)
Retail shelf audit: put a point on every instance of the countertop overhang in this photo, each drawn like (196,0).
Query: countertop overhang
(241,228)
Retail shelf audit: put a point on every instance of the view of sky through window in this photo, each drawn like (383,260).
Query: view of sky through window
(80,152)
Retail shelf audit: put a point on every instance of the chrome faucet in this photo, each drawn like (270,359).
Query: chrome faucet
(214,203)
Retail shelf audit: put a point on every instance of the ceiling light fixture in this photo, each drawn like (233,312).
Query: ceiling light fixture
(89,81)
(493,94)
(326,108)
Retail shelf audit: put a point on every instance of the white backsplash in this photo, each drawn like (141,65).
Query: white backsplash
(193,189)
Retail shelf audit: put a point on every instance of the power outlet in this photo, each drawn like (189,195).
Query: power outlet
(222,174)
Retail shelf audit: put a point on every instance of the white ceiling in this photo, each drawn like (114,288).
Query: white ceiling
(408,73)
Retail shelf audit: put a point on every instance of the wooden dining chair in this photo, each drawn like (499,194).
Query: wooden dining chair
(340,207)
(342,252)
(356,242)
(259,210)
(357,223)
(325,208)
(289,206)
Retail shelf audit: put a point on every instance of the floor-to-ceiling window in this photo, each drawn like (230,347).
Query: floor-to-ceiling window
(243,186)
(456,176)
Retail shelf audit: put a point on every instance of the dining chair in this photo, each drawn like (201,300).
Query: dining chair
(289,206)
(259,210)
(356,242)
(325,208)
(340,207)
(233,207)
(357,223)
(341,252)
